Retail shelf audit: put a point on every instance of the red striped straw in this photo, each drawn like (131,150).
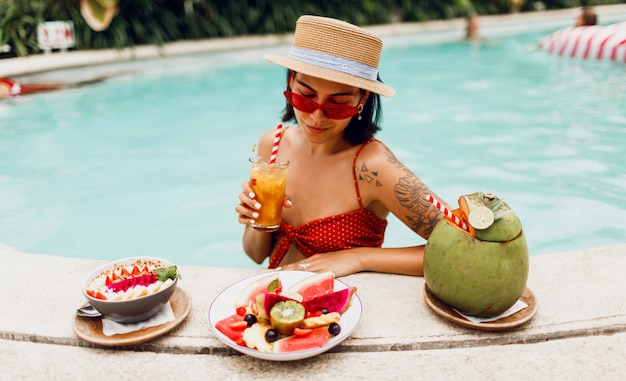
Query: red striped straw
(279,129)
(448,213)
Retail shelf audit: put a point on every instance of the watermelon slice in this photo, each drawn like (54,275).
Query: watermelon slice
(226,326)
(314,285)
(269,283)
(338,301)
(318,337)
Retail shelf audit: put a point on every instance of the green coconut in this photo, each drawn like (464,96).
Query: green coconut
(481,275)
(505,226)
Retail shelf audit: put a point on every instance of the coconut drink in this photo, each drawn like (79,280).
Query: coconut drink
(477,261)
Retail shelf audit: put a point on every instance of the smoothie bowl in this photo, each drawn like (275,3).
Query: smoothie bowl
(131,289)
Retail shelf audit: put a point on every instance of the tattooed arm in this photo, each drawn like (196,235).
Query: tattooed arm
(396,189)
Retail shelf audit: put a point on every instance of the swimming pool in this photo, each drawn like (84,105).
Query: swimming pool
(150,163)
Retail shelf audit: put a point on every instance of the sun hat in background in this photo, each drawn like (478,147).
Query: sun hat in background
(98,13)
(336,51)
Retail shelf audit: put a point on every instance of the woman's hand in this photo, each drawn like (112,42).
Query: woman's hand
(248,206)
(256,243)
(342,263)
(401,260)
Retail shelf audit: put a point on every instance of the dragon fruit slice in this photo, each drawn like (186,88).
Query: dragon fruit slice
(338,301)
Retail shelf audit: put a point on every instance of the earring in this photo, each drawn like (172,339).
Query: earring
(359,111)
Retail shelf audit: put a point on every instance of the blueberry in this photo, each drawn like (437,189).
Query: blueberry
(325,311)
(271,335)
(334,329)
(250,319)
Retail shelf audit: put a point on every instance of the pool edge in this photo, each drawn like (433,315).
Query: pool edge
(579,296)
(446,30)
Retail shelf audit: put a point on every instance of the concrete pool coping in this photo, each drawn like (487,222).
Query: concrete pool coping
(579,331)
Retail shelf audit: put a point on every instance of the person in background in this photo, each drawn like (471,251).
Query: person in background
(342,183)
(10,87)
(472,26)
(586,17)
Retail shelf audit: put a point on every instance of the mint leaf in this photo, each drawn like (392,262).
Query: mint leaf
(167,273)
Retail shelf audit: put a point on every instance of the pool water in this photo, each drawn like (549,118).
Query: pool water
(151,162)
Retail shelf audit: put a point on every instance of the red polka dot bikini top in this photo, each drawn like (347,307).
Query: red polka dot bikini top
(358,228)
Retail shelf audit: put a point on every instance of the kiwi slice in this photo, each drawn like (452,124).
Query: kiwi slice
(286,316)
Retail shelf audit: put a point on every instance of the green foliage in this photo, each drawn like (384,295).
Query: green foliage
(156,22)
(18,25)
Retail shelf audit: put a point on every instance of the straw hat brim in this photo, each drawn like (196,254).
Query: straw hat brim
(331,75)
(98,14)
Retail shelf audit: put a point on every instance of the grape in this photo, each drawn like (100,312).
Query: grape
(271,335)
(250,319)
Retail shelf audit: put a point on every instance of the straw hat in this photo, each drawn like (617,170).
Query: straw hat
(98,13)
(336,51)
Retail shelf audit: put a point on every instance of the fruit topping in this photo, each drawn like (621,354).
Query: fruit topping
(250,319)
(315,339)
(286,316)
(226,327)
(481,217)
(269,283)
(302,331)
(125,282)
(271,335)
(334,329)
(254,337)
(489,218)
(140,280)
(338,301)
(315,285)
(322,320)
(239,325)
(265,302)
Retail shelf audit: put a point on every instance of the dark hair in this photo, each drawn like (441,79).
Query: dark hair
(589,16)
(358,131)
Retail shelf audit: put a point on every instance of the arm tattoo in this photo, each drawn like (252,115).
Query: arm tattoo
(411,193)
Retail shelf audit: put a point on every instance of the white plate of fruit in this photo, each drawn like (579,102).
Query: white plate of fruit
(285,315)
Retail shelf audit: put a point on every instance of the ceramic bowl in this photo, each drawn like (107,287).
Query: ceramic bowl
(138,308)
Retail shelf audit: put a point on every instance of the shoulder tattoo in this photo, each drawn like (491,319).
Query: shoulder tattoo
(370,177)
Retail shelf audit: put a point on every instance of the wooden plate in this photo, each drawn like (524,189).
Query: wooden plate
(90,329)
(512,321)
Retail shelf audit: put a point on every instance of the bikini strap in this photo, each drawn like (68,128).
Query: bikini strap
(356,184)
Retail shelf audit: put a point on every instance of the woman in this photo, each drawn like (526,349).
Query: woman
(342,183)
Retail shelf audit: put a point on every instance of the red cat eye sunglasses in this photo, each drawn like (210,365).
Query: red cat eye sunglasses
(333,111)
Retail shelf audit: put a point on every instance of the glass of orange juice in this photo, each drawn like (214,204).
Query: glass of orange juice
(268,182)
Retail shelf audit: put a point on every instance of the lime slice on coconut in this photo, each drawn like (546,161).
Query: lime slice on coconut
(481,217)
